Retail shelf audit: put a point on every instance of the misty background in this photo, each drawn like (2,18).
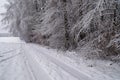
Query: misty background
(2,10)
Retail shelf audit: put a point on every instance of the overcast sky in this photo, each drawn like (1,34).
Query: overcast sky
(2,9)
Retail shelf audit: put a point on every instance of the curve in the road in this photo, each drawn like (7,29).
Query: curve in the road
(72,71)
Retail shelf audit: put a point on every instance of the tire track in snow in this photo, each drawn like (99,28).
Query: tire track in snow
(35,67)
(28,67)
(9,57)
(69,69)
(9,51)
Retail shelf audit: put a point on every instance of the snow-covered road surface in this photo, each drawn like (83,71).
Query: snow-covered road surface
(21,61)
(55,68)
(12,63)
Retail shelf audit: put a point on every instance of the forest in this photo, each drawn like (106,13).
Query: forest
(89,27)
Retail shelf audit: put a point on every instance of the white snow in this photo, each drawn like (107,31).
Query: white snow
(55,68)
(67,66)
(10,40)
(12,63)
(22,61)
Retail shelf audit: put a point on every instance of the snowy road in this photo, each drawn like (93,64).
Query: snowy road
(12,63)
(20,61)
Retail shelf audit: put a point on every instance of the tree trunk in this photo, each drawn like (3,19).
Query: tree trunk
(36,6)
(66,25)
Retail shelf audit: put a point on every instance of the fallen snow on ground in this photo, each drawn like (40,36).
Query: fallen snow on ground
(93,69)
(12,63)
(54,68)
(22,61)
(10,40)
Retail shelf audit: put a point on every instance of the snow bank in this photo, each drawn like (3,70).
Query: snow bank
(10,40)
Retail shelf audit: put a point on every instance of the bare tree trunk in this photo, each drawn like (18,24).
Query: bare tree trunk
(66,25)
(36,5)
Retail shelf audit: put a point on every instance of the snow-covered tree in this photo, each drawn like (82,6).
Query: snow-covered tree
(67,24)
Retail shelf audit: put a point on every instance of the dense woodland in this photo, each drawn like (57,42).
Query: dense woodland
(91,27)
